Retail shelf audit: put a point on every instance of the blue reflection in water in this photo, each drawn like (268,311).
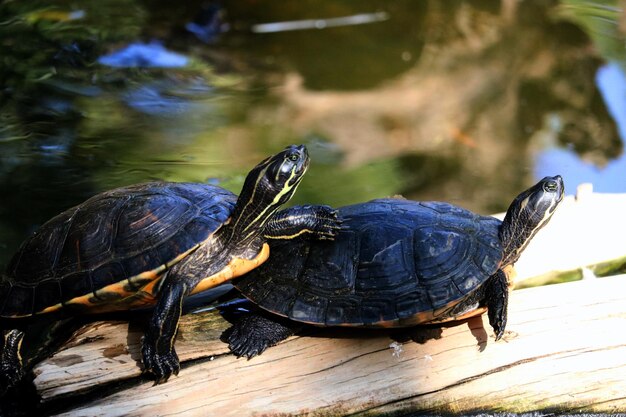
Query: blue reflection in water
(611,82)
(144,55)
(148,99)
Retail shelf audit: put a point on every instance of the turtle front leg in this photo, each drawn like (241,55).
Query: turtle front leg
(253,333)
(318,221)
(497,301)
(157,349)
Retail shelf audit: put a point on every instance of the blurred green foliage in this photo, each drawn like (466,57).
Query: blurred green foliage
(41,41)
(600,20)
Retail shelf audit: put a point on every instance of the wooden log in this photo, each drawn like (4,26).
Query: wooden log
(564,348)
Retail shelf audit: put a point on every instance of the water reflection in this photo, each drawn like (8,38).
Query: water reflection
(144,55)
(448,102)
(608,177)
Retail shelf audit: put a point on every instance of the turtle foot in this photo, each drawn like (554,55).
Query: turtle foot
(10,375)
(497,302)
(160,365)
(312,221)
(11,368)
(328,224)
(252,335)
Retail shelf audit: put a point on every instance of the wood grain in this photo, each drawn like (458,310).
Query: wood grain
(565,348)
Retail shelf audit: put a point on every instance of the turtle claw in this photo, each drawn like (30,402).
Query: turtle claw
(329,224)
(10,376)
(498,328)
(248,351)
(497,322)
(241,346)
(253,334)
(161,366)
(164,367)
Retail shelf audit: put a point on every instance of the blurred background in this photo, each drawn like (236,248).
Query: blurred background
(468,102)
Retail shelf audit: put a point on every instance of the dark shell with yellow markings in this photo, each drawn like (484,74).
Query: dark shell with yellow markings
(110,246)
(395,263)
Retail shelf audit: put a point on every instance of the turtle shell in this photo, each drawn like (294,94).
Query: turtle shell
(111,246)
(395,263)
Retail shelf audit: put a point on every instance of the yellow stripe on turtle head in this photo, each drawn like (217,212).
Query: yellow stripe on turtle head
(276,201)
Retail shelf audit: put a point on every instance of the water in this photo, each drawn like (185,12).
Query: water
(608,177)
(468,103)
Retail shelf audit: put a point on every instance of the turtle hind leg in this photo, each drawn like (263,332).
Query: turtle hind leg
(11,366)
(18,395)
(496,298)
(252,334)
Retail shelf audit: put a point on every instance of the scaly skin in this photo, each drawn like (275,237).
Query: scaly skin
(11,370)
(252,334)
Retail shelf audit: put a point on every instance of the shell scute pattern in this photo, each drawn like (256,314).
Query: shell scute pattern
(107,274)
(76,284)
(330,272)
(461,245)
(385,256)
(409,304)
(88,238)
(443,294)
(47,293)
(108,239)
(377,310)
(19,300)
(343,309)
(281,295)
(43,250)
(395,261)
(150,219)
(309,307)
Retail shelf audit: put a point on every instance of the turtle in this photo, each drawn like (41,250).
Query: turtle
(152,245)
(394,263)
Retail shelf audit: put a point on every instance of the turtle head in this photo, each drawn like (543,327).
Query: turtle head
(527,214)
(268,186)
(276,178)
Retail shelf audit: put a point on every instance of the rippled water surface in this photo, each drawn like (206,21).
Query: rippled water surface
(468,103)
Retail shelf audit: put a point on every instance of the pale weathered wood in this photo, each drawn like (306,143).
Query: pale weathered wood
(106,352)
(565,346)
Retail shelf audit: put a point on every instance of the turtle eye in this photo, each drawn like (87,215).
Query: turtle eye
(293,157)
(550,186)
